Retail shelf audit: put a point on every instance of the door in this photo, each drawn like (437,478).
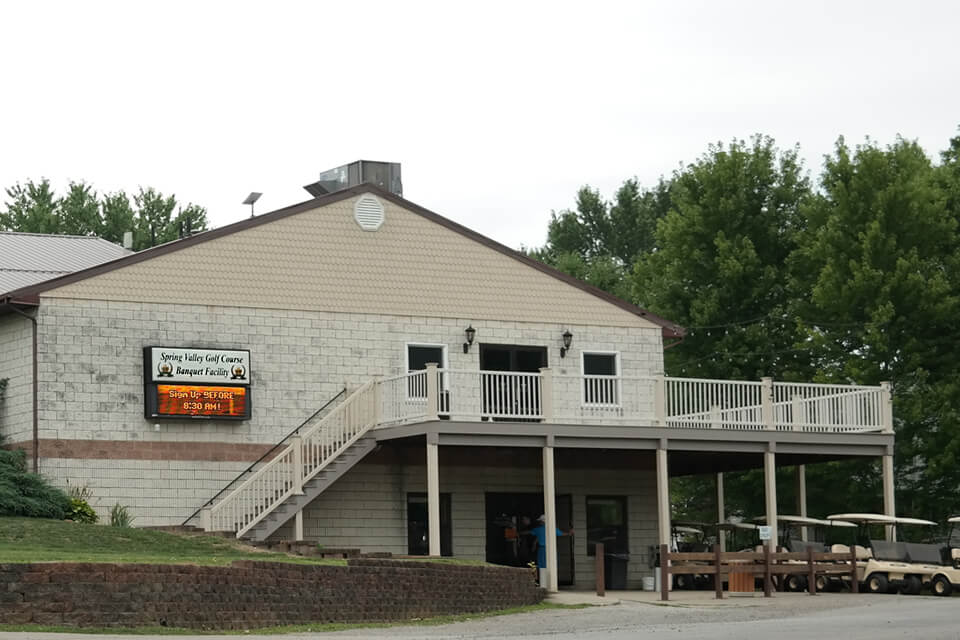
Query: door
(510,515)
(505,397)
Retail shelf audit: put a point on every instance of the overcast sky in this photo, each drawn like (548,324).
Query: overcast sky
(498,112)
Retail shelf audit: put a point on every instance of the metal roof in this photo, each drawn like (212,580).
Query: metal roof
(30,258)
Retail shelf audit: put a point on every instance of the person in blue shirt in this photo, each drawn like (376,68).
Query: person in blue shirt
(540,533)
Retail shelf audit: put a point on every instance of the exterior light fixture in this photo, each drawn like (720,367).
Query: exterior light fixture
(469,333)
(567,339)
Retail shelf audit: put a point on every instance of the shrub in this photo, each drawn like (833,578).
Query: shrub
(28,494)
(120,516)
(81,511)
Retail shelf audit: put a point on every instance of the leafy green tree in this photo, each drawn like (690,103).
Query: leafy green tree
(32,208)
(79,211)
(719,268)
(153,221)
(877,275)
(118,217)
(190,219)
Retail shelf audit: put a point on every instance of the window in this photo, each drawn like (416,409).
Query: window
(607,524)
(418,356)
(601,379)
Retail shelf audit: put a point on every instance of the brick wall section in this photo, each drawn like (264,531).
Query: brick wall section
(250,595)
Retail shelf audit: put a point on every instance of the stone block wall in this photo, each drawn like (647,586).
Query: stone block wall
(16,359)
(251,595)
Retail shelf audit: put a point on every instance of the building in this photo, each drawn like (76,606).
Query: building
(428,387)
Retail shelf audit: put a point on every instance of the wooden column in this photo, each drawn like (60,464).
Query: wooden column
(550,511)
(801,480)
(433,494)
(663,495)
(770,491)
(721,513)
(889,504)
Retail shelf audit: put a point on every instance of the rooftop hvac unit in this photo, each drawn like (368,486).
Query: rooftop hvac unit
(385,175)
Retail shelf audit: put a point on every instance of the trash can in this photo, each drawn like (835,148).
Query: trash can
(615,570)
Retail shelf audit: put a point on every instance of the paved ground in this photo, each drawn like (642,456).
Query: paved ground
(690,617)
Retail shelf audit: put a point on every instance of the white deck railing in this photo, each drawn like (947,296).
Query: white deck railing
(305,456)
(644,401)
(688,403)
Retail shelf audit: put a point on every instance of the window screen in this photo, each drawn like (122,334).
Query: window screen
(600,383)
(600,364)
(419,356)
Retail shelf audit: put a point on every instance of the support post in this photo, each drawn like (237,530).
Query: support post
(377,401)
(433,495)
(854,578)
(717,577)
(550,526)
(660,401)
(889,506)
(433,392)
(801,480)
(770,492)
(766,404)
(886,407)
(206,519)
(598,571)
(546,394)
(298,526)
(767,575)
(721,512)
(665,572)
(297,443)
(663,496)
(811,573)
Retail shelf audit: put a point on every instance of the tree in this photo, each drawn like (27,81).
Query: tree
(79,211)
(876,274)
(117,215)
(33,208)
(719,267)
(153,218)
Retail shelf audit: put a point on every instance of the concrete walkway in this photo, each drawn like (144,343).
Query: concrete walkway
(678,598)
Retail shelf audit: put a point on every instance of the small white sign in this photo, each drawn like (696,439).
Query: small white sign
(765,532)
(199,365)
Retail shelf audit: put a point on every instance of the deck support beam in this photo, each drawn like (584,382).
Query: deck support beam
(550,521)
(298,526)
(433,496)
(770,492)
(889,504)
(801,480)
(663,495)
(721,513)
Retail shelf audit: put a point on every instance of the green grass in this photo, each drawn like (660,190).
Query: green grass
(37,540)
(298,628)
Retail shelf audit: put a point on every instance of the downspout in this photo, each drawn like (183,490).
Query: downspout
(36,422)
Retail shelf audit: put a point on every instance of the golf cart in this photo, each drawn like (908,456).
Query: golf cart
(690,537)
(788,528)
(888,567)
(948,577)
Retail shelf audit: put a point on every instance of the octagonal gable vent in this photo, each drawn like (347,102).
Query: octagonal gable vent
(368,212)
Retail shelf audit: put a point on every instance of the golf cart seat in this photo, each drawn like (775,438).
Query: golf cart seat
(862,552)
(923,553)
(893,551)
(801,546)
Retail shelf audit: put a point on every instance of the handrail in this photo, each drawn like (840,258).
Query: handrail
(286,473)
(266,453)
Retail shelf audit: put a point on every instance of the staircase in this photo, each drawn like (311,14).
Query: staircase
(309,464)
(311,489)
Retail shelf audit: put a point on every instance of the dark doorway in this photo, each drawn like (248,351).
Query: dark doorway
(509,514)
(511,357)
(418,533)
(512,398)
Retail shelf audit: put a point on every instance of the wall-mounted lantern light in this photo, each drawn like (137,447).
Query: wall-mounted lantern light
(469,333)
(567,339)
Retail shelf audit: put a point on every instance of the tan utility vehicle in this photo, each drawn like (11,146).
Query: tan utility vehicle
(948,577)
(888,567)
(791,540)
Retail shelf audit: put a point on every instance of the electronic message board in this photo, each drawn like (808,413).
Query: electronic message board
(196,383)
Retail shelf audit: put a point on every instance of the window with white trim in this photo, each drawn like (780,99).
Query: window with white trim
(601,378)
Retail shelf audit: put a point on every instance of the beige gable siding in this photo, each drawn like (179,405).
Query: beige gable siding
(321,260)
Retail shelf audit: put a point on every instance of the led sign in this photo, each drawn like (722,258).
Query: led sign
(186,400)
(212,384)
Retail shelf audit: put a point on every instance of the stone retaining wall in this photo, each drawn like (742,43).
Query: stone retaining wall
(251,594)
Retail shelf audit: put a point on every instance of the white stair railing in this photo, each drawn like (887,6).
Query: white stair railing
(305,457)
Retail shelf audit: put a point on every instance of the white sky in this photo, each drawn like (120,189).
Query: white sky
(498,112)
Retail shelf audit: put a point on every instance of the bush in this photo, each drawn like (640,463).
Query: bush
(27,494)
(120,516)
(82,512)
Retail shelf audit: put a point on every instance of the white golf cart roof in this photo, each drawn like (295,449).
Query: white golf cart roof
(954,519)
(684,529)
(804,520)
(878,518)
(737,525)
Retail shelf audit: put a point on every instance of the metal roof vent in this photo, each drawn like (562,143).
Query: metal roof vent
(368,212)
